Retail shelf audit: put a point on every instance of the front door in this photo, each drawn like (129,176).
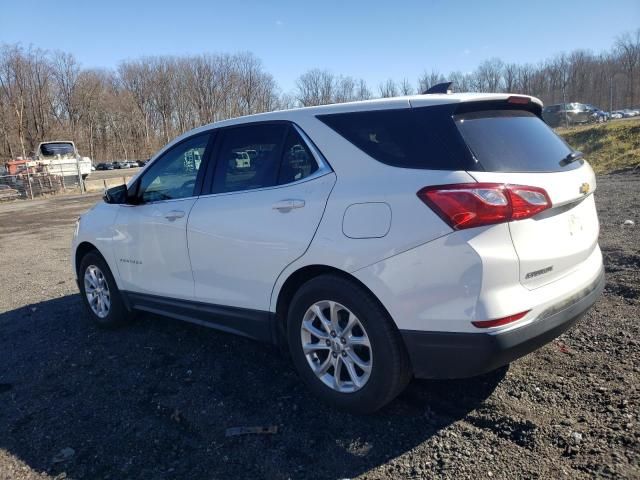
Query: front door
(150,243)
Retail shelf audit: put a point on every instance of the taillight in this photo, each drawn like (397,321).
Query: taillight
(468,205)
(499,321)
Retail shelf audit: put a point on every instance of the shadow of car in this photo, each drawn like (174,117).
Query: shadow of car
(160,398)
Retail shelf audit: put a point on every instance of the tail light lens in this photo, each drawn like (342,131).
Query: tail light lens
(468,205)
(499,321)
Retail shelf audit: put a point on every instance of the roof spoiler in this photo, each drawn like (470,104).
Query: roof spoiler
(444,87)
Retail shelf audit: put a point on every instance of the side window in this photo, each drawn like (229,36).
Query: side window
(297,160)
(173,175)
(249,157)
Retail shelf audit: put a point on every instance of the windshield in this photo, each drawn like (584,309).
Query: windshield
(513,141)
(57,148)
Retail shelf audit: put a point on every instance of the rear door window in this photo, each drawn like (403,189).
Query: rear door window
(249,157)
(513,141)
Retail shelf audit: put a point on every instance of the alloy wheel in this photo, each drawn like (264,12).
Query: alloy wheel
(97,291)
(336,346)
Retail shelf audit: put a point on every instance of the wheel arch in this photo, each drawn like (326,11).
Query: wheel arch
(81,250)
(293,283)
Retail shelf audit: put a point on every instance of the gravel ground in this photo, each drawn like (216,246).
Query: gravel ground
(153,400)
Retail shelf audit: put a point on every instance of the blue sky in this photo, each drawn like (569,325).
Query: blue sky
(372,39)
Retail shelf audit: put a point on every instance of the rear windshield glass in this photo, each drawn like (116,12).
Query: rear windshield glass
(423,138)
(513,141)
(58,148)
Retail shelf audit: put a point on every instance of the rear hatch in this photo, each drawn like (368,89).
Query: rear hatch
(514,146)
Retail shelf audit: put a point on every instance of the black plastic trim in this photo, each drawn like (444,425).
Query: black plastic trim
(461,355)
(255,324)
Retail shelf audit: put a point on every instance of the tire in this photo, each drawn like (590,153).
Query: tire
(387,362)
(116,314)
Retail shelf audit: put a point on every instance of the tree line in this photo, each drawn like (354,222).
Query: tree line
(131,111)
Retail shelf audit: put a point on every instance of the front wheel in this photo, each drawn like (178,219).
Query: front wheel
(344,345)
(100,293)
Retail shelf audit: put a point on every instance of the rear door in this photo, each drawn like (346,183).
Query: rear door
(516,147)
(257,219)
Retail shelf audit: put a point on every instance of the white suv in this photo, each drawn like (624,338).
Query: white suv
(435,236)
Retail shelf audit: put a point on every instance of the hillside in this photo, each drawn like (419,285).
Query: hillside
(609,147)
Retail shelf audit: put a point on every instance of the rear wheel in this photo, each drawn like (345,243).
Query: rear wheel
(344,345)
(99,292)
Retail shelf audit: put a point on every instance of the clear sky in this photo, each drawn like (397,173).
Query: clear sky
(371,39)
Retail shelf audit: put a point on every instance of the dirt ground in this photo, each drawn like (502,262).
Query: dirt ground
(153,400)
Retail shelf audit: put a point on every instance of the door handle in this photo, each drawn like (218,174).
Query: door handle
(287,205)
(174,215)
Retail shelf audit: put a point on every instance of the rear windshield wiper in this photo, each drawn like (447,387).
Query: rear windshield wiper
(572,157)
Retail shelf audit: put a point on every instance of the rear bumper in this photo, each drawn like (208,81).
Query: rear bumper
(462,354)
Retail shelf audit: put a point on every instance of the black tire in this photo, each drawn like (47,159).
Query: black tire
(391,368)
(118,315)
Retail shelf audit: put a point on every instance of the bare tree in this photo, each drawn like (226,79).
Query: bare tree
(388,88)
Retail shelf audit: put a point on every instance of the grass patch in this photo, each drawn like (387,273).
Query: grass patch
(608,147)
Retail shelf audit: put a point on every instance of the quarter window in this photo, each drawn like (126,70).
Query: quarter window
(173,175)
(297,160)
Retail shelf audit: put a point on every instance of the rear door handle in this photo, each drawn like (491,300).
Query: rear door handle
(288,205)
(174,215)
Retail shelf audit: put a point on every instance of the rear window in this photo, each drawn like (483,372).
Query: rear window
(513,141)
(423,138)
(57,148)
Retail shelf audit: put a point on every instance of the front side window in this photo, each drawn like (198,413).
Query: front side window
(173,175)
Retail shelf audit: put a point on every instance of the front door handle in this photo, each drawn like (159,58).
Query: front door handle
(174,215)
(287,205)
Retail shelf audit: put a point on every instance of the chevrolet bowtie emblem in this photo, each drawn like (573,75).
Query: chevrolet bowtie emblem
(584,188)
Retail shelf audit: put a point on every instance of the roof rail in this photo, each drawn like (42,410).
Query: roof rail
(444,87)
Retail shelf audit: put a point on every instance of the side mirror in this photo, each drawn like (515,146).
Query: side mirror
(132,197)
(115,195)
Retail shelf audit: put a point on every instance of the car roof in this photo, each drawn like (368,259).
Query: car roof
(295,114)
(363,105)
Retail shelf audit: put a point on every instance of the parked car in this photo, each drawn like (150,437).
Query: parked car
(8,193)
(630,112)
(105,166)
(567,114)
(599,116)
(141,163)
(119,165)
(240,160)
(440,237)
(617,114)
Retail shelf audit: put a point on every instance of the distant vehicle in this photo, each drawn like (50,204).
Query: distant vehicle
(132,164)
(567,114)
(141,163)
(240,160)
(105,166)
(62,158)
(119,165)
(598,115)
(8,193)
(630,112)
(617,114)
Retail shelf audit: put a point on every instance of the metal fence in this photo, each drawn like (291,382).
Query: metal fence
(29,185)
(31,181)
